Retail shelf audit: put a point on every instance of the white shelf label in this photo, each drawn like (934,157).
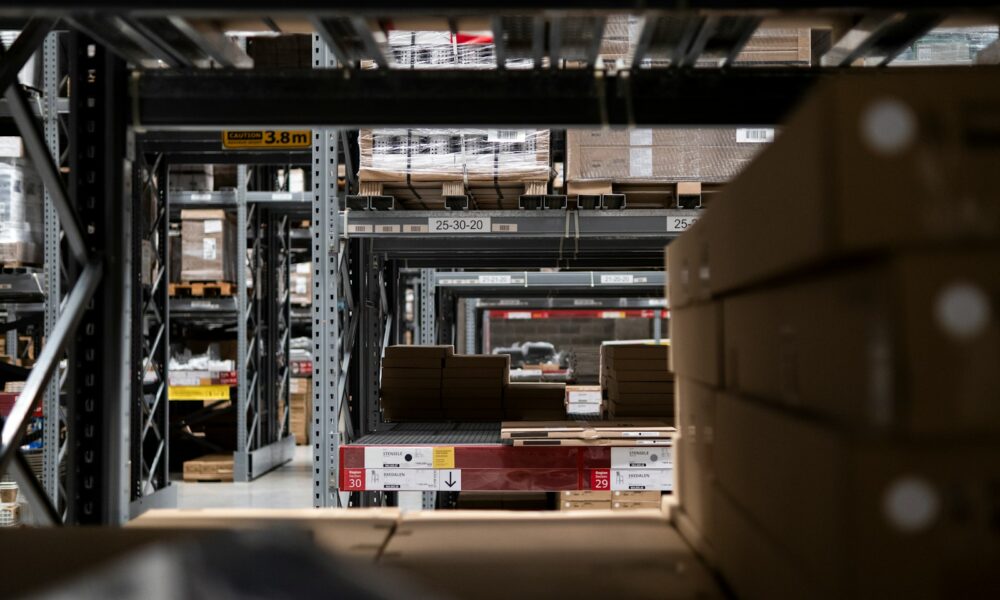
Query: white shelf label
(644,434)
(678,224)
(387,229)
(505,228)
(642,479)
(415,229)
(641,458)
(516,136)
(359,229)
(459,225)
(495,279)
(612,314)
(281,196)
(761,135)
(617,278)
(398,457)
(416,480)
(201,196)
(518,315)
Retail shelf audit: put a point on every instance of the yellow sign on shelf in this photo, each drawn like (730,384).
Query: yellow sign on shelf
(443,457)
(198,392)
(267,139)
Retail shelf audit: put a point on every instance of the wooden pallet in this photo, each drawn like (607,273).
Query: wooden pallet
(211,467)
(641,194)
(205,289)
(434,195)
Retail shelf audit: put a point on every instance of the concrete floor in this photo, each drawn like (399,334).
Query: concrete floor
(289,486)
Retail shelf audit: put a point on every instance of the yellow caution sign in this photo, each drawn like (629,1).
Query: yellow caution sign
(443,458)
(267,139)
(198,392)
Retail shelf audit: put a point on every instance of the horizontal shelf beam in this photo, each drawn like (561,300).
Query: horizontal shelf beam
(578,281)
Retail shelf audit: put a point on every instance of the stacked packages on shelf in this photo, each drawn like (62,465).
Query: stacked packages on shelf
(208,246)
(428,383)
(604,500)
(21,203)
(637,380)
(10,510)
(299,408)
(835,331)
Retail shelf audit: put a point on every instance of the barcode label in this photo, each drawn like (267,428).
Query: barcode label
(415,228)
(517,136)
(501,279)
(505,228)
(359,229)
(281,196)
(754,136)
(387,229)
(617,278)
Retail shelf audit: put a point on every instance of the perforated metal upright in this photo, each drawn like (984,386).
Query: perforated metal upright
(328,388)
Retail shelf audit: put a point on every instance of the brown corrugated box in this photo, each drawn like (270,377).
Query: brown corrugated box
(634,555)
(418,352)
(535,396)
(499,374)
(693,452)
(696,343)
(577,495)
(569,504)
(411,362)
(623,373)
(878,346)
(861,517)
(688,274)
(208,245)
(637,496)
(478,361)
(635,505)
(872,172)
(391,373)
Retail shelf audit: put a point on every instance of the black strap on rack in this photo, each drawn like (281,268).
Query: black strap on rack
(409,164)
(496,171)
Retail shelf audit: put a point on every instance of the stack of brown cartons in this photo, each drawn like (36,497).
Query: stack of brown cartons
(300,408)
(835,331)
(635,500)
(473,386)
(535,401)
(585,500)
(411,382)
(637,380)
(208,245)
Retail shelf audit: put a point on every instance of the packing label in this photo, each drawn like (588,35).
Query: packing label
(213,225)
(640,137)
(400,457)
(444,457)
(642,479)
(208,251)
(640,162)
(760,135)
(414,480)
(517,136)
(584,396)
(642,458)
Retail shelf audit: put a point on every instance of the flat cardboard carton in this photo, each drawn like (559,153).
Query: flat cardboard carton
(876,347)
(478,361)
(409,374)
(411,362)
(568,504)
(626,352)
(637,496)
(608,442)
(662,374)
(688,272)
(208,245)
(694,453)
(577,495)
(879,164)
(635,505)
(492,373)
(696,351)
(419,352)
(639,429)
(411,384)
(861,516)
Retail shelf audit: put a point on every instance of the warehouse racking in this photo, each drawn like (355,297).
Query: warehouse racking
(110,327)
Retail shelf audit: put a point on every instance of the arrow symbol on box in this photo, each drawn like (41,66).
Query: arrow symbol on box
(451,479)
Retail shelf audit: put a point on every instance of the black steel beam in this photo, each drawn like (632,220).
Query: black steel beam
(227,98)
(382,8)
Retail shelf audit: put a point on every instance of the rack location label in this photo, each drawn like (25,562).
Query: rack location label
(267,139)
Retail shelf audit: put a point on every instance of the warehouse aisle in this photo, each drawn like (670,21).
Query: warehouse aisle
(287,487)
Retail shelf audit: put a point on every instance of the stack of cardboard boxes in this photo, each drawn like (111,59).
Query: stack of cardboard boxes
(300,408)
(411,382)
(473,386)
(607,499)
(535,401)
(637,380)
(835,331)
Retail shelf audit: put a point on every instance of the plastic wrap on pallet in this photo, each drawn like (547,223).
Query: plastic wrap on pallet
(443,50)
(454,154)
(766,47)
(710,155)
(947,46)
(21,214)
(208,246)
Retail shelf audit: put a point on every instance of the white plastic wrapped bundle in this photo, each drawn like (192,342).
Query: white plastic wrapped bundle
(948,46)
(21,214)
(454,154)
(442,50)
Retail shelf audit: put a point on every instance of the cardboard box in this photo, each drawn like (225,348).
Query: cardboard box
(455,383)
(636,496)
(880,163)
(457,555)
(637,352)
(635,505)
(208,245)
(860,516)
(696,348)
(411,362)
(395,373)
(579,495)
(492,373)
(694,454)
(418,352)
(585,505)
(411,384)
(478,361)
(620,374)
(688,273)
(646,429)
(549,396)
(877,347)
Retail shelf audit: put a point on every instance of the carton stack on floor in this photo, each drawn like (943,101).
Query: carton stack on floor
(299,408)
(411,382)
(835,331)
(535,401)
(637,380)
(472,386)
